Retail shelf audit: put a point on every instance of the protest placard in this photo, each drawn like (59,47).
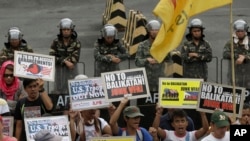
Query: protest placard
(32,65)
(87,94)
(121,138)
(132,83)
(217,96)
(57,125)
(179,92)
(8,124)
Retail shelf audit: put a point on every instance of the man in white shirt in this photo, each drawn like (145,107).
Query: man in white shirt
(219,124)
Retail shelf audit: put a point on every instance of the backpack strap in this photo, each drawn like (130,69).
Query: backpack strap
(138,133)
(187,136)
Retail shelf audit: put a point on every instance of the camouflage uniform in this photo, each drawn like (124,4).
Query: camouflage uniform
(71,52)
(103,62)
(196,67)
(242,75)
(8,51)
(154,71)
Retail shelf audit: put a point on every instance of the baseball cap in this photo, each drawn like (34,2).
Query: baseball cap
(132,111)
(220,119)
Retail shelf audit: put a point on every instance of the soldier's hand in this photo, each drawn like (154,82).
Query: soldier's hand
(69,64)
(116,60)
(152,60)
(240,59)
(193,54)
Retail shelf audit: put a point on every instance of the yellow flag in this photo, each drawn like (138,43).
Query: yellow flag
(200,6)
(174,16)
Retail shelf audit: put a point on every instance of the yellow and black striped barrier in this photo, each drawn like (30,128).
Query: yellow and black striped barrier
(115,14)
(174,69)
(135,31)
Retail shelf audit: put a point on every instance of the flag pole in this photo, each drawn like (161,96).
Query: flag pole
(232,61)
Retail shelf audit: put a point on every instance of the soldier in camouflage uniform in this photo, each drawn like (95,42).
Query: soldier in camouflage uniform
(143,57)
(241,46)
(196,52)
(108,51)
(15,42)
(66,49)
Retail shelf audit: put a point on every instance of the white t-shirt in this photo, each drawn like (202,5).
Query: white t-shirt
(91,132)
(210,137)
(4,108)
(171,136)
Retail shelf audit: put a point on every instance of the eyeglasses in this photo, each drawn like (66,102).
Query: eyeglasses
(8,75)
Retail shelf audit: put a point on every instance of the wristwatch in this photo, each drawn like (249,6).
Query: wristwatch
(41,90)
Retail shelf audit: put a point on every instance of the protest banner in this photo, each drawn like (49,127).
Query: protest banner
(32,65)
(87,94)
(57,125)
(179,92)
(8,124)
(217,96)
(121,138)
(131,82)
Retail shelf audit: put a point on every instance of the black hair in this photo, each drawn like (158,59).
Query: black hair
(178,113)
(27,81)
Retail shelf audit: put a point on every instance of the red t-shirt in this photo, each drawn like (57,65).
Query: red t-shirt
(7,138)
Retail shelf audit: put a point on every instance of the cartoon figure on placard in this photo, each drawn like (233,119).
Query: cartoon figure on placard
(170,94)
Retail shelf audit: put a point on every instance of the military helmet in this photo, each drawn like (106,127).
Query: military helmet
(66,23)
(109,30)
(240,24)
(153,25)
(14,33)
(196,23)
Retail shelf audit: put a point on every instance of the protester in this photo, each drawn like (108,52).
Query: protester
(196,52)
(219,125)
(165,121)
(245,116)
(84,125)
(179,122)
(16,42)
(37,102)
(132,117)
(66,49)
(11,88)
(143,57)
(108,51)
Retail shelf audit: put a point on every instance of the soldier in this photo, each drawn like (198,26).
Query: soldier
(241,46)
(143,57)
(108,51)
(15,42)
(196,52)
(66,49)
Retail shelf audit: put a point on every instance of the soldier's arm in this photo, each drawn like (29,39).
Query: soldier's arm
(3,56)
(75,55)
(123,55)
(185,54)
(227,50)
(206,55)
(140,58)
(101,57)
(53,52)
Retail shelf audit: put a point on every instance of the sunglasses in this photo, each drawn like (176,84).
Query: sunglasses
(8,75)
